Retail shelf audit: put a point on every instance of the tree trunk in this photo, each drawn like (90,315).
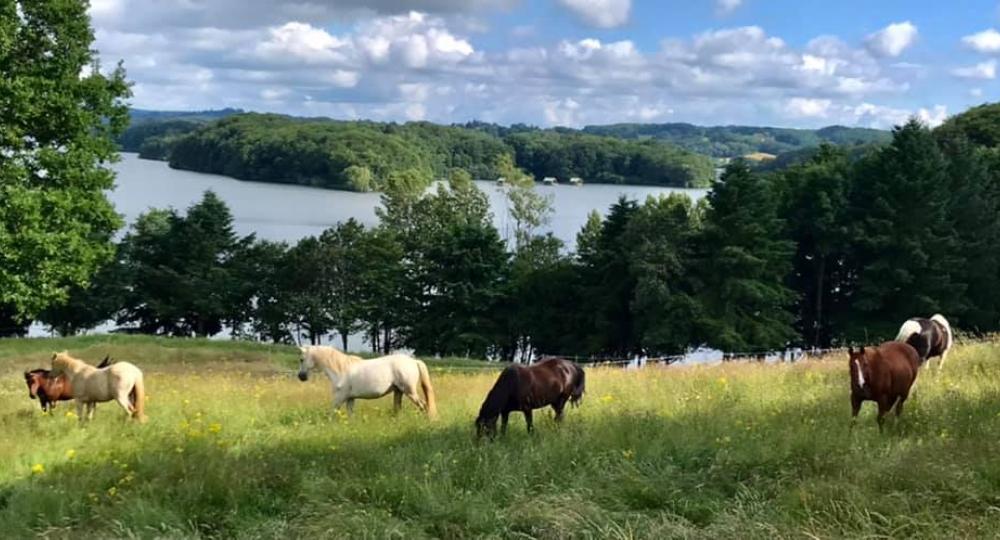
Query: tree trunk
(818,317)
(343,340)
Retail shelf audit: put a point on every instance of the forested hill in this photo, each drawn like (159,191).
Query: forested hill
(732,141)
(363,155)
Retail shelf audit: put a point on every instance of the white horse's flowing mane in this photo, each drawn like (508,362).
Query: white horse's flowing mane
(331,358)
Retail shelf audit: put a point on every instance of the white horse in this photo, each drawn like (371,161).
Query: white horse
(121,382)
(354,378)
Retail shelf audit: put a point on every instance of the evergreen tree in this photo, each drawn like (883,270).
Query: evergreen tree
(743,266)
(902,238)
(608,285)
(660,240)
(815,208)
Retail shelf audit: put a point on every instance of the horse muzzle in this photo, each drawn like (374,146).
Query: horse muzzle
(303,376)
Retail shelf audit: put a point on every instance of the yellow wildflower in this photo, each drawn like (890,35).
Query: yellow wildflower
(215,427)
(70,454)
(37,468)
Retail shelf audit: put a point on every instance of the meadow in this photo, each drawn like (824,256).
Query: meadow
(236,447)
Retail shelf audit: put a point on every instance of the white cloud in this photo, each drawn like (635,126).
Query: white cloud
(983,70)
(808,107)
(987,41)
(976,92)
(892,40)
(600,13)
(418,65)
(723,7)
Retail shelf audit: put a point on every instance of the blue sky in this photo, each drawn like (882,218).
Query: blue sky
(561,62)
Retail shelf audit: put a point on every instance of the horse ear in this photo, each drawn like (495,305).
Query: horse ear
(303,349)
(850,350)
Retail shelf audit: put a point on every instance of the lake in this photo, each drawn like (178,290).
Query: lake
(287,212)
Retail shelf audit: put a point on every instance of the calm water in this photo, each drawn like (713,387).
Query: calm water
(284,212)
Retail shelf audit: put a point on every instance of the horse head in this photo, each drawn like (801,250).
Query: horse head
(305,363)
(34,381)
(486,426)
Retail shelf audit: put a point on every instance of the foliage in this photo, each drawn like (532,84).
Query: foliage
(743,262)
(736,141)
(59,115)
(608,160)
(979,125)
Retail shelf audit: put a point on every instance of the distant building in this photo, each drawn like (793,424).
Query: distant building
(549,180)
(501,181)
(576,181)
(759,156)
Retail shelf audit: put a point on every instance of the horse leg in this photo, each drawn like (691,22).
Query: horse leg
(126,404)
(397,400)
(559,406)
(527,420)
(91,406)
(504,416)
(350,407)
(884,405)
(416,399)
(855,409)
(941,360)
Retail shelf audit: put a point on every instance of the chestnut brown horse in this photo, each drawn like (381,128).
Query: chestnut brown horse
(48,389)
(553,381)
(882,374)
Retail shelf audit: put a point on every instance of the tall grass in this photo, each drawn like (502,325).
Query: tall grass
(237,448)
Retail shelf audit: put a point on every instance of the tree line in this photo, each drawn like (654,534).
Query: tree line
(834,250)
(363,155)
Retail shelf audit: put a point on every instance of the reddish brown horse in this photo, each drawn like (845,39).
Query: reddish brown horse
(882,374)
(48,389)
(554,382)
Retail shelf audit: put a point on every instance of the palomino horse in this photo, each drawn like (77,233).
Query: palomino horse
(121,382)
(930,337)
(50,389)
(882,374)
(554,382)
(354,378)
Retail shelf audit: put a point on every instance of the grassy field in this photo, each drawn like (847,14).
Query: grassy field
(236,447)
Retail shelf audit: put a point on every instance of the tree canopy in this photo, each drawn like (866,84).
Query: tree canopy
(59,115)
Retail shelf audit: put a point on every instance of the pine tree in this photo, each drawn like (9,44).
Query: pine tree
(743,267)
(814,205)
(903,241)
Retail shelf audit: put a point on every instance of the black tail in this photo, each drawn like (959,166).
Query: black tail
(579,387)
(105,363)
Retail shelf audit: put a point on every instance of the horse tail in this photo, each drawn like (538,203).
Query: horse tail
(938,318)
(579,386)
(425,383)
(138,396)
(909,328)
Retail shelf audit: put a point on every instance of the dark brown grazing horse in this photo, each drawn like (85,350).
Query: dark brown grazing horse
(48,389)
(554,382)
(882,374)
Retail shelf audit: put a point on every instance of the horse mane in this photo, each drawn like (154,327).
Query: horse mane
(506,385)
(68,363)
(329,357)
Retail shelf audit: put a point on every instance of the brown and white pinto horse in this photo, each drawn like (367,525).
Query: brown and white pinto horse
(882,374)
(553,381)
(930,337)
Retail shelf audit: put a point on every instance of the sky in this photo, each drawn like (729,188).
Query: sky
(569,63)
